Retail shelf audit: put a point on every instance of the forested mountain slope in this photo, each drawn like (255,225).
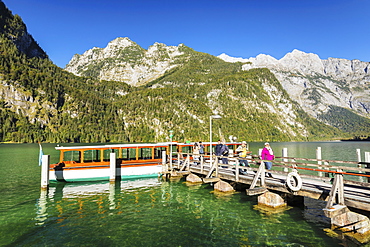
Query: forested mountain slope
(42,102)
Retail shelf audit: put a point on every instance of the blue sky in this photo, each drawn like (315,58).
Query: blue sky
(239,28)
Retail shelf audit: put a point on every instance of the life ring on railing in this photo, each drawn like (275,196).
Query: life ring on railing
(294,181)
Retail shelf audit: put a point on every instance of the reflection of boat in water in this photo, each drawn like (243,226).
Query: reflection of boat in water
(93,163)
(62,196)
(72,190)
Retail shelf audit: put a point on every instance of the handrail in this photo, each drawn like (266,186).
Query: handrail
(298,165)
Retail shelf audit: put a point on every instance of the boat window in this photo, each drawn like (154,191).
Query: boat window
(91,155)
(129,153)
(145,153)
(186,149)
(175,150)
(72,156)
(107,152)
(158,152)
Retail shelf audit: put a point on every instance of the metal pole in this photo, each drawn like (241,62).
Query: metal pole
(210,140)
(171,135)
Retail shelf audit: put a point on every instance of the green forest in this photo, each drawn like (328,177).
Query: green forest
(59,107)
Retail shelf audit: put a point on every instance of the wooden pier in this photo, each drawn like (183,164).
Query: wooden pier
(341,184)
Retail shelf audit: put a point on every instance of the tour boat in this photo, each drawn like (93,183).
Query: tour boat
(92,163)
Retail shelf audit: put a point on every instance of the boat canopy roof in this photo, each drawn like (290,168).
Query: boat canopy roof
(135,145)
(115,146)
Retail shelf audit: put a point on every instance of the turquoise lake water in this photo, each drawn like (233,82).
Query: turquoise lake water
(149,212)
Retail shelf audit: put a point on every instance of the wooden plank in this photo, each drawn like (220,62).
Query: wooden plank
(211,180)
(256,191)
(183,172)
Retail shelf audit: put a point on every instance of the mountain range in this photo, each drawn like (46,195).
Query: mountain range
(124,93)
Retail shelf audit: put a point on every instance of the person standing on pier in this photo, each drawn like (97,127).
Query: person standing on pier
(201,148)
(267,154)
(243,152)
(218,148)
(196,151)
(224,153)
(201,151)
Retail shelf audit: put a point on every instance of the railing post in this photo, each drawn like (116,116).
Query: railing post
(285,154)
(45,171)
(318,156)
(216,167)
(201,163)
(358,152)
(367,159)
(237,170)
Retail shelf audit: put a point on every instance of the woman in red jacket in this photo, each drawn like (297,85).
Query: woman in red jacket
(267,154)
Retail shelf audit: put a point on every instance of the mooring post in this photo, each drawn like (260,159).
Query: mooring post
(285,154)
(164,162)
(45,171)
(112,166)
(318,157)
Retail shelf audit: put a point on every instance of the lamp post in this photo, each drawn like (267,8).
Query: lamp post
(171,135)
(210,134)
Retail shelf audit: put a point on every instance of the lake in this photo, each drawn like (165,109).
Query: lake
(150,212)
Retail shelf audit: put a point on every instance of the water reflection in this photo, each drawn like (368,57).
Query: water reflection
(170,211)
(41,212)
(59,193)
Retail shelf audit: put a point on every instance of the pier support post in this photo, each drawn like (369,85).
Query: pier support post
(45,172)
(192,178)
(223,186)
(272,200)
(260,172)
(337,189)
(112,166)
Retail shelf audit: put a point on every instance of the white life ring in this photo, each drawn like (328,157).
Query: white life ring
(294,181)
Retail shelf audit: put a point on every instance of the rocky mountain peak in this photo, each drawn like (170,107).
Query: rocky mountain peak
(317,84)
(120,43)
(302,62)
(124,60)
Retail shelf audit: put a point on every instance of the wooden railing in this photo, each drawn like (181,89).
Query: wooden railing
(356,173)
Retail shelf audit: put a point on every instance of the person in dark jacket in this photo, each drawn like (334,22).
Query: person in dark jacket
(218,148)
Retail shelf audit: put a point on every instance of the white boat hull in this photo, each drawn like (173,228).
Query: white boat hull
(91,174)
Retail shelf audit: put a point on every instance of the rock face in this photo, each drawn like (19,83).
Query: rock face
(124,60)
(315,83)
